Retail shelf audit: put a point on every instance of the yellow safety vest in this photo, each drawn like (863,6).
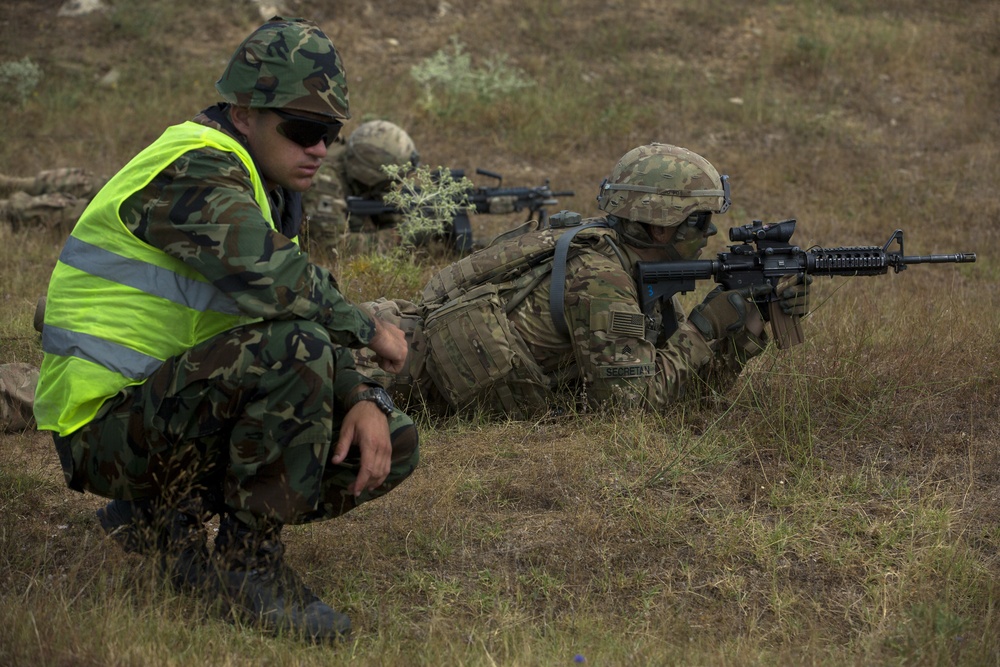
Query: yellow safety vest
(117,307)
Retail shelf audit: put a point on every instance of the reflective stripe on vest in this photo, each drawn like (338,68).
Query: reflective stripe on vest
(118,307)
(146,277)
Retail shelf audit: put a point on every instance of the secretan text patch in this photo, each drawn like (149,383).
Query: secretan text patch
(633,371)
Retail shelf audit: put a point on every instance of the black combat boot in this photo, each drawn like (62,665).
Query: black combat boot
(130,523)
(185,559)
(255,581)
(175,536)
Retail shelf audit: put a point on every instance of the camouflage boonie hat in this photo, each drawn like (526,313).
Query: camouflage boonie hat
(374,144)
(287,64)
(661,185)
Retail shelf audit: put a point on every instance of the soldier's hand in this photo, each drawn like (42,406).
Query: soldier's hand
(389,345)
(726,313)
(501,204)
(793,294)
(367,428)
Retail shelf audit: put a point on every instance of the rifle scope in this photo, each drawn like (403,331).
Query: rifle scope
(780,232)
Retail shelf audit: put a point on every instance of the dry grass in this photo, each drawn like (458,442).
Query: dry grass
(839,506)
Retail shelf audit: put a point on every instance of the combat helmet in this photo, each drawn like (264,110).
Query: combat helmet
(374,144)
(662,185)
(287,64)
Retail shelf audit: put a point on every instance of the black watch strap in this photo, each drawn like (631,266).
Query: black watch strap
(377,395)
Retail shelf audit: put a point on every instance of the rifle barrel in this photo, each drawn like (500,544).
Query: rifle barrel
(960,258)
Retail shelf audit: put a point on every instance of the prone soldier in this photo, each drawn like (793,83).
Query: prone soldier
(54,198)
(544,313)
(354,169)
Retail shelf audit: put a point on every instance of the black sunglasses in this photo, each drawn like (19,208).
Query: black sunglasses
(306,132)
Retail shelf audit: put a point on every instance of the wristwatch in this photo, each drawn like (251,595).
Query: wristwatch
(377,395)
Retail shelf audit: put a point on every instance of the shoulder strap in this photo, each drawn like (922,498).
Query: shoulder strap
(557,292)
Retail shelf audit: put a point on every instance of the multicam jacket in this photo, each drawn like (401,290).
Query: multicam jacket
(611,354)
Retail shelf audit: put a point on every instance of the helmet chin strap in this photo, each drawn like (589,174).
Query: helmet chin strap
(630,231)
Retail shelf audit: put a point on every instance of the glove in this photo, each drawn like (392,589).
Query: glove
(723,314)
(793,294)
(501,204)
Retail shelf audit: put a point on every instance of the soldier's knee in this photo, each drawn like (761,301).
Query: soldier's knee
(291,353)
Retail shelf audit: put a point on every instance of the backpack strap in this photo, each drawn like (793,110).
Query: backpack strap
(557,291)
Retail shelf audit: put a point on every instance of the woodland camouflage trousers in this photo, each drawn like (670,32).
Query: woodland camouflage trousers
(245,420)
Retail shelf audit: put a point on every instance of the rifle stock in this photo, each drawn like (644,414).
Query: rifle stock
(763,254)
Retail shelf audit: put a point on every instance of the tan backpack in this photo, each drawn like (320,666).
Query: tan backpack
(474,355)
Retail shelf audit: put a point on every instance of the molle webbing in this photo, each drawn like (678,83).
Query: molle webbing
(499,262)
(505,264)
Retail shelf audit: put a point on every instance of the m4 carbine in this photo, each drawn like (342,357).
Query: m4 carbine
(762,255)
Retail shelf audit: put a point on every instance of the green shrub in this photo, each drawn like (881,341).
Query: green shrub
(18,80)
(452,74)
(429,200)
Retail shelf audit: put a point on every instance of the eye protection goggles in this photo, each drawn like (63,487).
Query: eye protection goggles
(699,220)
(306,132)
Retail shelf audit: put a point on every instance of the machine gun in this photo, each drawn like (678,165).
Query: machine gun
(481,200)
(761,256)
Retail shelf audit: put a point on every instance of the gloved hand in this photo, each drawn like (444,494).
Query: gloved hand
(723,314)
(500,205)
(793,294)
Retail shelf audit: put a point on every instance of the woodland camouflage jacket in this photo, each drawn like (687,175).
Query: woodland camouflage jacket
(202,210)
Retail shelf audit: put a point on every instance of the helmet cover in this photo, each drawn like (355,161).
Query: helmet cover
(662,185)
(373,144)
(287,64)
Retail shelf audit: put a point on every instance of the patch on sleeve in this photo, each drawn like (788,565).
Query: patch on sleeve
(631,371)
(628,324)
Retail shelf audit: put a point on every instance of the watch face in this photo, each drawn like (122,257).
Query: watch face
(383,400)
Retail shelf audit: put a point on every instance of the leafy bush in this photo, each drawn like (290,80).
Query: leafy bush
(18,79)
(429,199)
(452,73)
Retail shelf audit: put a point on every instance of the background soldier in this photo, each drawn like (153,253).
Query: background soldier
(354,169)
(541,313)
(54,198)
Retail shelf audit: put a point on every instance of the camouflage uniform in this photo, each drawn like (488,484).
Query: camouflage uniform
(17,394)
(54,198)
(247,417)
(499,331)
(243,422)
(206,214)
(612,355)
